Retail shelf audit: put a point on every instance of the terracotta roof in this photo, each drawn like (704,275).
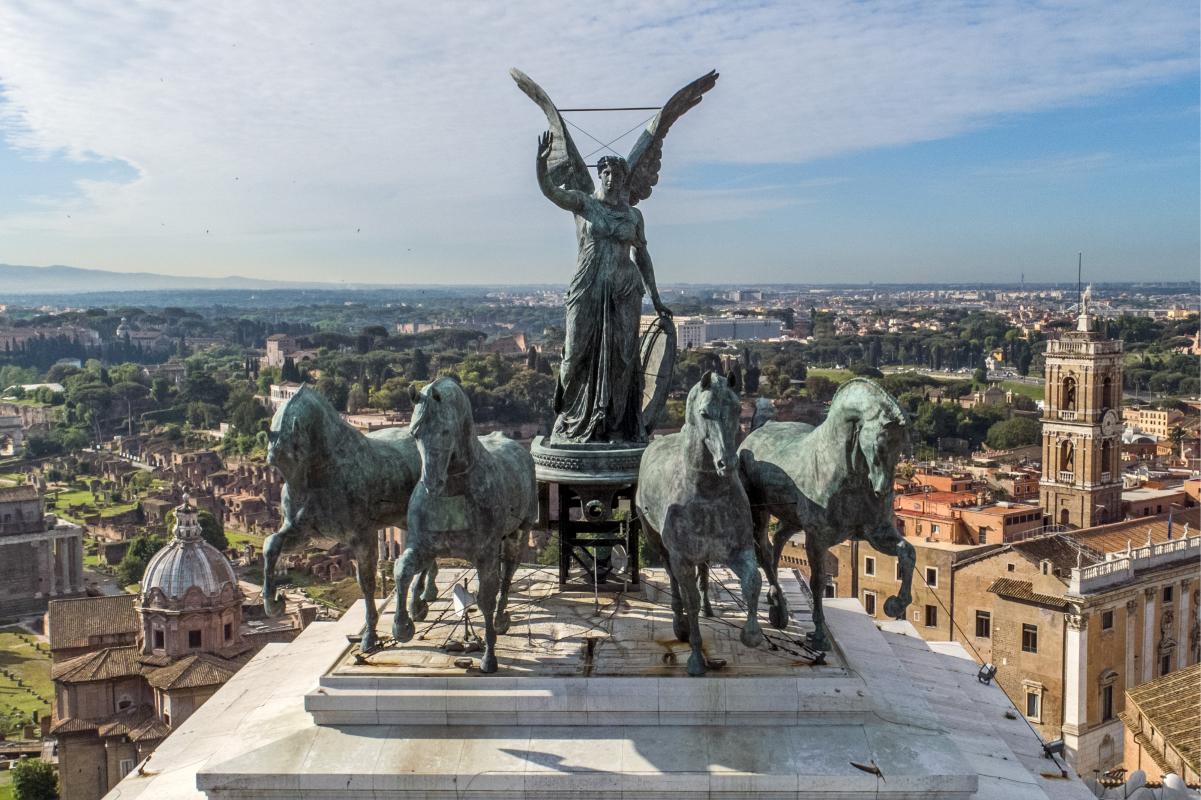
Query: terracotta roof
(111,662)
(1023,592)
(193,671)
(1170,705)
(72,623)
(1114,537)
(153,728)
(1056,549)
(139,723)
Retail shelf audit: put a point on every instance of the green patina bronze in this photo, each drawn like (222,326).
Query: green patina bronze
(338,483)
(832,482)
(695,509)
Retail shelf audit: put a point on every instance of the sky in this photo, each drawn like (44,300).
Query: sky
(844,142)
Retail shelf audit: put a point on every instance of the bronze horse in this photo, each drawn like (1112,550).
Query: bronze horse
(833,482)
(338,483)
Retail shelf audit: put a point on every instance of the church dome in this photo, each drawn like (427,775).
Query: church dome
(188,561)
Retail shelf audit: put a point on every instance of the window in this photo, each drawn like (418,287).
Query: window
(935,527)
(1029,638)
(1167,594)
(932,577)
(898,569)
(869,565)
(931,616)
(984,536)
(229,631)
(125,765)
(1033,705)
(1009,567)
(869,603)
(1106,703)
(194,639)
(158,639)
(830,591)
(983,625)
(1165,664)
(1107,620)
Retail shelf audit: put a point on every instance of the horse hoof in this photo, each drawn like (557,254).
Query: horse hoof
(894,608)
(817,641)
(368,642)
(403,629)
(777,615)
(696,666)
(752,637)
(488,664)
(680,627)
(502,622)
(419,610)
(431,591)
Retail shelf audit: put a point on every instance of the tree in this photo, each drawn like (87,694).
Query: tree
(821,389)
(34,779)
(160,390)
(128,391)
(211,529)
(289,372)
(1017,432)
(133,565)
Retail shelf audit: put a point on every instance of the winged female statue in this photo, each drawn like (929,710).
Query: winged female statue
(599,393)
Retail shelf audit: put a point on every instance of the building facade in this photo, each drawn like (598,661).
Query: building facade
(1081,482)
(41,556)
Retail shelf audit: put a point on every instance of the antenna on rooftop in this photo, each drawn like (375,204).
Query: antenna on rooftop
(1079,281)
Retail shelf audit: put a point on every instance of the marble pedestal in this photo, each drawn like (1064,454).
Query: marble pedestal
(598,705)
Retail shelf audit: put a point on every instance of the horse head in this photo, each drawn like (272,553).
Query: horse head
(443,428)
(297,430)
(713,410)
(880,431)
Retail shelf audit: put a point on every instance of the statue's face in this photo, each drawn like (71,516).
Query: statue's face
(612,179)
(714,408)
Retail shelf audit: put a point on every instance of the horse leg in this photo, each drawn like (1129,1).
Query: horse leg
(488,568)
(287,536)
(889,541)
(430,591)
(510,555)
(746,567)
(366,559)
(686,579)
(702,573)
(406,569)
(679,624)
(817,587)
(777,612)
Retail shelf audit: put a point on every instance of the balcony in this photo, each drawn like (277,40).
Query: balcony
(1066,476)
(1068,416)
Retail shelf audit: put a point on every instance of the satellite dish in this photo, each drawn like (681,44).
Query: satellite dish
(618,558)
(658,357)
(463,599)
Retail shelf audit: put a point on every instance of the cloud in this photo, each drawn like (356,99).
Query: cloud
(372,126)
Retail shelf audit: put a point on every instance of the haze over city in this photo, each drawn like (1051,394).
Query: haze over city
(842,142)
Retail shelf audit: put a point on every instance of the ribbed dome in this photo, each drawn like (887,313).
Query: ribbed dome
(187,561)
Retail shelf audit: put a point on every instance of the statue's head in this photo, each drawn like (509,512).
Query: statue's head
(614,173)
(881,430)
(291,436)
(714,408)
(442,427)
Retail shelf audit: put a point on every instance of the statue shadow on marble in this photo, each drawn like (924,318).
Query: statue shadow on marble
(832,482)
(474,499)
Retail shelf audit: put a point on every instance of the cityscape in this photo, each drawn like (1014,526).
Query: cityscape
(325,473)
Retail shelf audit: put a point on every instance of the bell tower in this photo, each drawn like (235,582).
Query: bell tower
(1081,483)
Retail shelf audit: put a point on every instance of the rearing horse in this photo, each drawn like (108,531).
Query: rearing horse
(693,505)
(833,482)
(474,496)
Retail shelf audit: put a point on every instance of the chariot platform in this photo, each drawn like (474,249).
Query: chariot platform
(597,704)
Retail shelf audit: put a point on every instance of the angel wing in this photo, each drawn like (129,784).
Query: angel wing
(565,166)
(647,154)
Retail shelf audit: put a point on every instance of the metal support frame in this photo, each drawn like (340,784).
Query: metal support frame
(595,529)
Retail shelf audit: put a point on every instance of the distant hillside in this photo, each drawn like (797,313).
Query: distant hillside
(74,280)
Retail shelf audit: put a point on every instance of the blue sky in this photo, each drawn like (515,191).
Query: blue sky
(857,142)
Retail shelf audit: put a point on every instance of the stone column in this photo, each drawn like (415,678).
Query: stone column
(77,563)
(1130,678)
(1182,623)
(1075,681)
(1148,653)
(51,567)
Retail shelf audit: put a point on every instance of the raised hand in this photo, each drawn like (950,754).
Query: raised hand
(544,144)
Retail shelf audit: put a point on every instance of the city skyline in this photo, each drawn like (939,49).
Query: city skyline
(842,144)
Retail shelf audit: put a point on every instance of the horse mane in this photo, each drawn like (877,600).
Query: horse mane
(455,397)
(328,433)
(849,399)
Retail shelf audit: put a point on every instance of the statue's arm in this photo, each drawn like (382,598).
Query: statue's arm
(566,199)
(642,257)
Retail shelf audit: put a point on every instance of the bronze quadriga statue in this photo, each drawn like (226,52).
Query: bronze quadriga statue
(693,504)
(476,495)
(833,482)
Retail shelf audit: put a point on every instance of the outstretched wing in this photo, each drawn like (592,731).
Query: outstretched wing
(565,166)
(647,154)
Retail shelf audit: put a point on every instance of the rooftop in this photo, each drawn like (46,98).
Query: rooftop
(1170,705)
(73,623)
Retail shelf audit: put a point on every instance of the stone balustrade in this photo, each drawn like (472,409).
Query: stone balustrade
(1121,566)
